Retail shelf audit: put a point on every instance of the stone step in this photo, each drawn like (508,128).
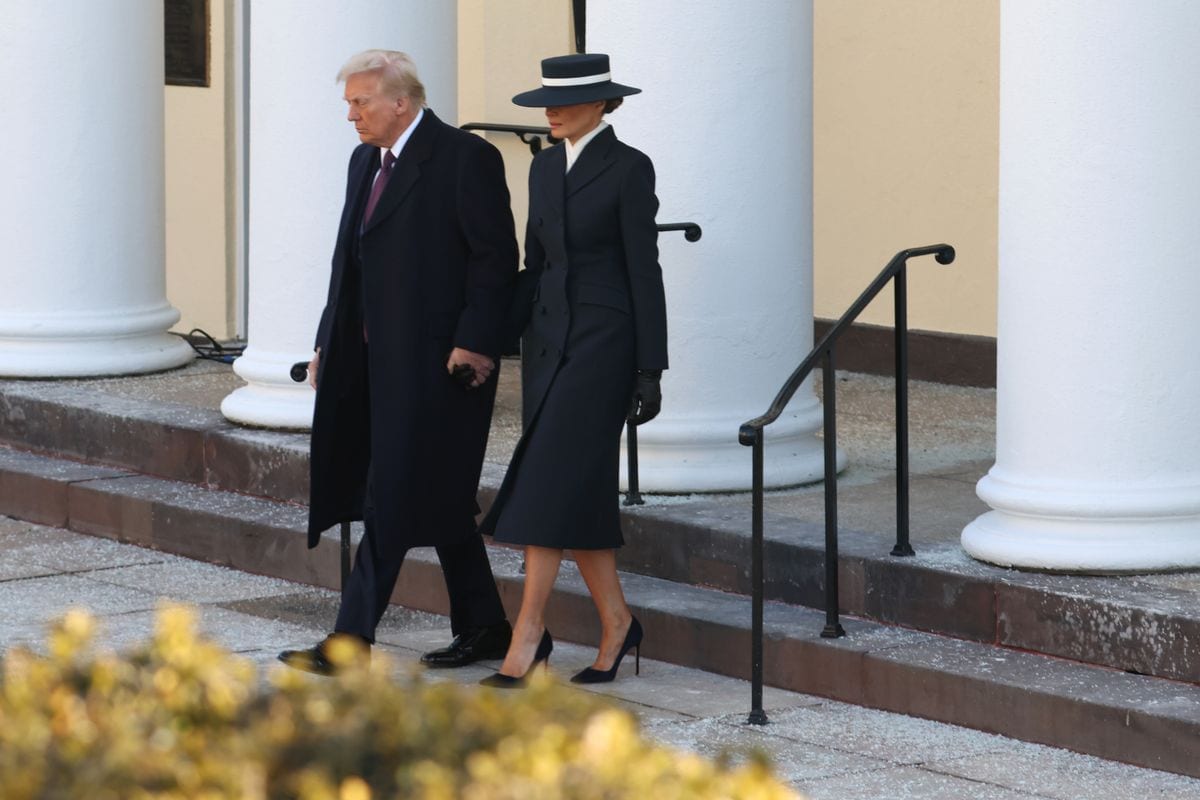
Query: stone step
(153,437)
(1125,623)
(1151,722)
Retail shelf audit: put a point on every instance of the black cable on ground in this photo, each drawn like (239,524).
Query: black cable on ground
(208,348)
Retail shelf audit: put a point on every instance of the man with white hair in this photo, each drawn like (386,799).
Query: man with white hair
(405,360)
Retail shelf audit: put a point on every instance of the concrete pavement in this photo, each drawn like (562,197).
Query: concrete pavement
(826,749)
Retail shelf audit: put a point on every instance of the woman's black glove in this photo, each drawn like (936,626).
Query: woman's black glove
(647,397)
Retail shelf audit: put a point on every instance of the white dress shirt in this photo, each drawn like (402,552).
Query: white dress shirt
(400,142)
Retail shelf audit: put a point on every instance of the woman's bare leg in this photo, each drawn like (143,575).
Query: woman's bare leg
(541,569)
(599,570)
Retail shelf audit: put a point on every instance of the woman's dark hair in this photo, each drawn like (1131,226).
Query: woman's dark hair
(613,104)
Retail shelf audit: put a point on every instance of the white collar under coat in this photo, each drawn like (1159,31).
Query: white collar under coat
(573,150)
(403,138)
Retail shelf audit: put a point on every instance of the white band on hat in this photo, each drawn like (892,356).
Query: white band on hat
(584,81)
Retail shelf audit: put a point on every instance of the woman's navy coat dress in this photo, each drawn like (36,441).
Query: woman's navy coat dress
(596,315)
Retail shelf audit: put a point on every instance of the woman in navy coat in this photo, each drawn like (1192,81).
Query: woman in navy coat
(594,347)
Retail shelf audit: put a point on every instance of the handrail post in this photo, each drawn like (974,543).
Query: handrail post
(633,497)
(751,433)
(833,628)
(345,553)
(757,715)
(903,547)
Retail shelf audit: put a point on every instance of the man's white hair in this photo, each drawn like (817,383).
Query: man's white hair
(397,73)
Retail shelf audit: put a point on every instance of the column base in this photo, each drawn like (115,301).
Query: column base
(80,344)
(1086,527)
(82,358)
(1090,546)
(271,399)
(683,456)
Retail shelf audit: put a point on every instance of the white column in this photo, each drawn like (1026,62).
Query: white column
(300,144)
(1098,436)
(82,246)
(725,113)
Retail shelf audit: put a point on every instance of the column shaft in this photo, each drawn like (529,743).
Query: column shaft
(81,213)
(1098,441)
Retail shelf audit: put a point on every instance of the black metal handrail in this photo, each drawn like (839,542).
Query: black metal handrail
(579,17)
(751,435)
(529,134)
(633,495)
(691,231)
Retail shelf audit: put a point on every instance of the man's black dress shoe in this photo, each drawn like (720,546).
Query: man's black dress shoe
(475,644)
(316,659)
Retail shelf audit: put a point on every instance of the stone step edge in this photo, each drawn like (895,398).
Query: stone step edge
(164,439)
(990,608)
(1138,628)
(1145,721)
(179,442)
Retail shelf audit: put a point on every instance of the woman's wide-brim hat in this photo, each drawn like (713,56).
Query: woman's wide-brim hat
(569,80)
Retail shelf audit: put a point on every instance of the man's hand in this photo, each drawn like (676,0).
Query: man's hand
(312,368)
(482,366)
(647,397)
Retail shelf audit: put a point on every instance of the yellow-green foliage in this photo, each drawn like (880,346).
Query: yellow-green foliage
(179,717)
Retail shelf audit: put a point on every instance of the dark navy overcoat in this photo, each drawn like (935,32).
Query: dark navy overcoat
(433,270)
(596,313)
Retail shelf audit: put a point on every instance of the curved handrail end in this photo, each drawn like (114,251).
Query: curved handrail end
(528,134)
(750,431)
(691,230)
(942,253)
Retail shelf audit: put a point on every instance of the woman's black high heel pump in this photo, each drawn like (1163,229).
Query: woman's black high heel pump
(499,680)
(633,641)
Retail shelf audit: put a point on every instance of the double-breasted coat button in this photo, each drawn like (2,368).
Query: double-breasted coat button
(543,309)
(543,351)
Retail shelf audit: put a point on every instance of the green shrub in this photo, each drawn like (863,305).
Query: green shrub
(179,717)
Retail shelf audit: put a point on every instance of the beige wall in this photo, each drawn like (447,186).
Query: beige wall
(906,130)
(906,126)
(906,118)
(197,270)
(500,48)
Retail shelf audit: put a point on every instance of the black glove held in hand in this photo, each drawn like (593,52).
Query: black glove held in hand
(464,374)
(647,397)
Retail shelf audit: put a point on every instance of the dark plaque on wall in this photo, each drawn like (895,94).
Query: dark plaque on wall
(187,42)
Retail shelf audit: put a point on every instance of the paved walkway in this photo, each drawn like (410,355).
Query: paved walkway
(823,748)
